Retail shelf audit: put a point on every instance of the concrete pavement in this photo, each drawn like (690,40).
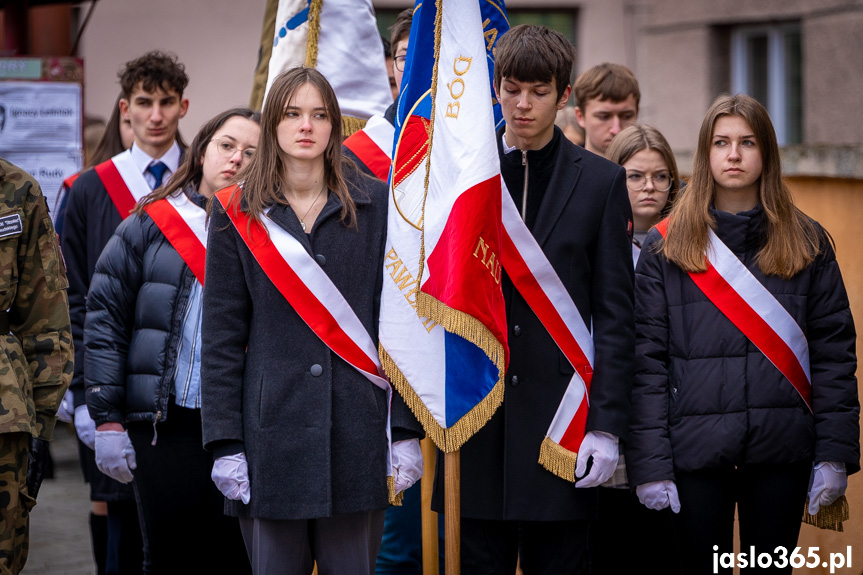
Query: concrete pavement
(59,524)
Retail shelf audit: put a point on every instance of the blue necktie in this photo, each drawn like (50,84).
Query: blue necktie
(158,170)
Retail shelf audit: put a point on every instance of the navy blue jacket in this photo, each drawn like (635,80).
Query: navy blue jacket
(705,396)
(135,308)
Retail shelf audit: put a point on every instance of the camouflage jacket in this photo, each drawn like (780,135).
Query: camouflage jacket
(37,356)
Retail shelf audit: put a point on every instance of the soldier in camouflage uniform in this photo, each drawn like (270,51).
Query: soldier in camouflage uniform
(36,355)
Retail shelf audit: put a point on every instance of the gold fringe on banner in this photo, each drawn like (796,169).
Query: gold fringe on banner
(395,498)
(451,438)
(314,33)
(351,125)
(557,459)
(829,517)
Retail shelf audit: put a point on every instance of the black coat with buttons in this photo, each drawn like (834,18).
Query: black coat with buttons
(312,427)
(581,224)
(706,397)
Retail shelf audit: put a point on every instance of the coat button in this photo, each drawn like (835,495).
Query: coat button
(514,381)
(316,370)
(516,330)
(321,259)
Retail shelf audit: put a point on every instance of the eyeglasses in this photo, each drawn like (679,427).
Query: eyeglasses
(227,148)
(399,62)
(636,181)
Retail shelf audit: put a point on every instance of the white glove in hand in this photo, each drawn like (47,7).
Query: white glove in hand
(603,447)
(85,427)
(115,456)
(407,463)
(231,476)
(828,484)
(66,409)
(659,495)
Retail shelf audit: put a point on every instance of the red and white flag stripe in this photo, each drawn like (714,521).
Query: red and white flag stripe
(536,280)
(753,310)
(184,224)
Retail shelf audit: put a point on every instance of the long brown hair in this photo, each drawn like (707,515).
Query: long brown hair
(638,137)
(191,171)
(264,178)
(792,240)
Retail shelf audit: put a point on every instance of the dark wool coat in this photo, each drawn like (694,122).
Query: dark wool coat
(134,322)
(705,396)
(582,227)
(312,427)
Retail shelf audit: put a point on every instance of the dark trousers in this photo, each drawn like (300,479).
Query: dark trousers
(491,547)
(341,544)
(769,501)
(181,509)
(625,533)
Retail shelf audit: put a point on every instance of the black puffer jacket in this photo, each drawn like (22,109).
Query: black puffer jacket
(705,396)
(135,310)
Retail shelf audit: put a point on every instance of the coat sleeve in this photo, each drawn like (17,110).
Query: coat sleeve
(74,243)
(648,451)
(833,363)
(39,315)
(109,319)
(612,315)
(227,310)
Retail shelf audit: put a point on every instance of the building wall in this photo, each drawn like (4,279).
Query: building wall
(217,40)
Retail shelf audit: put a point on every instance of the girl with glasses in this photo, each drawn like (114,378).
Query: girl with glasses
(142,338)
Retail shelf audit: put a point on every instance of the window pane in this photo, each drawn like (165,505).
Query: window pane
(756,65)
(794,86)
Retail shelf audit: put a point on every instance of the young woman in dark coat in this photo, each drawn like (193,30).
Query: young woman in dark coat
(143,351)
(299,434)
(714,422)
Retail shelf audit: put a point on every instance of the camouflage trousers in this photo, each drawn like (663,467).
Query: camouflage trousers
(15,503)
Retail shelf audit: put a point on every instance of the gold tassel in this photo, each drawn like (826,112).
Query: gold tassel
(557,459)
(314,33)
(829,517)
(396,499)
(351,125)
(446,439)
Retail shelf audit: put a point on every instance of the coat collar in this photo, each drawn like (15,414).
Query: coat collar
(563,180)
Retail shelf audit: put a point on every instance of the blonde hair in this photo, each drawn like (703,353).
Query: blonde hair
(792,239)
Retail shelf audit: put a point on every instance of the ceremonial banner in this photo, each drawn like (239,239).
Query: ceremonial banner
(443,322)
(340,39)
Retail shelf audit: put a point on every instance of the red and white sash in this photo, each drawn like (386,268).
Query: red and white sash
(312,294)
(373,145)
(123,181)
(754,311)
(184,224)
(535,278)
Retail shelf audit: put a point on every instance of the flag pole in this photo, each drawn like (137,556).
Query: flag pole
(452,516)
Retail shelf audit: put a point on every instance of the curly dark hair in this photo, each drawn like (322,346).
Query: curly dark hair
(152,71)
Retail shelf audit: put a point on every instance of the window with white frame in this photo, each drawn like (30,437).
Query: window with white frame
(766,63)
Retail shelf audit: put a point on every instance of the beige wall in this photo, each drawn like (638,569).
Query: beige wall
(217,40)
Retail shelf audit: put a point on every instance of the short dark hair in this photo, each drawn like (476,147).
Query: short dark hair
(402,28)
(606,81)
(152,71)
(531,53)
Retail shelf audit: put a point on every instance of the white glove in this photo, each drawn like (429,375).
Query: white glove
(407,463)
(85,426)
(231,476)
(66,409)
(603,447)
(659,495)
(115,456)
(828,484)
